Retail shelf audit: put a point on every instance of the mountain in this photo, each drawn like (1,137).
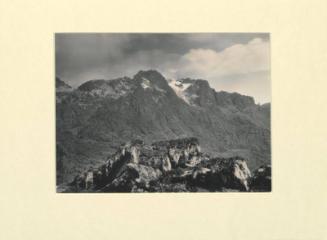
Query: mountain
(61,86)
(97,117)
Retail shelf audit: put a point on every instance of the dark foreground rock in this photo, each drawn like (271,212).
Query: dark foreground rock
(169,166)
(261,181)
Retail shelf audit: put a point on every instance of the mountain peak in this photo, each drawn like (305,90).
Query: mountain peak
(198,92)
(149,74)
(152,76)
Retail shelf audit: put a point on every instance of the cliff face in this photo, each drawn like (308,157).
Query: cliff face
(95,119)
(166,166)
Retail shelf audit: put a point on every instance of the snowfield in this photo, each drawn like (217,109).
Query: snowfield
(180,88)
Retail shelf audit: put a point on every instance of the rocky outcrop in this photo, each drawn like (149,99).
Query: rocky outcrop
(222,173)
(261,181)
(114,88)
(200,93)
(165,166)
(236,100)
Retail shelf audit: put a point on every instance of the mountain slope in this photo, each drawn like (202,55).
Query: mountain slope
(95,119)
(61,86)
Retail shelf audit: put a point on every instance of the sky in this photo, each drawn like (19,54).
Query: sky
(232,62)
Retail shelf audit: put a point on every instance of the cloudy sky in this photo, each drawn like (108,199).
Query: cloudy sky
(233,62)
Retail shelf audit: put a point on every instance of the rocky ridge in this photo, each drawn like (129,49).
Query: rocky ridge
(168,166)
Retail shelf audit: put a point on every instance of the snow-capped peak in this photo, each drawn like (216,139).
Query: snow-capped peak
(179,87)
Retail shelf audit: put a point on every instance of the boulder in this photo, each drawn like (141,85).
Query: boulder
(261,181)
(166,165)
(134,178)
(218,173)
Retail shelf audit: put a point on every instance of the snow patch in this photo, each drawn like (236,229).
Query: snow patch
(146,83)
(180,88)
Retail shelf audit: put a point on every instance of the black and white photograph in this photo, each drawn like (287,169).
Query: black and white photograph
(163,120)
(163,112)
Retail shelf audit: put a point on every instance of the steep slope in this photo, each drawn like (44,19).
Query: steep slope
(61,86)
(95,119)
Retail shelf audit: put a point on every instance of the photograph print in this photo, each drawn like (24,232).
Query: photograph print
(162,112)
